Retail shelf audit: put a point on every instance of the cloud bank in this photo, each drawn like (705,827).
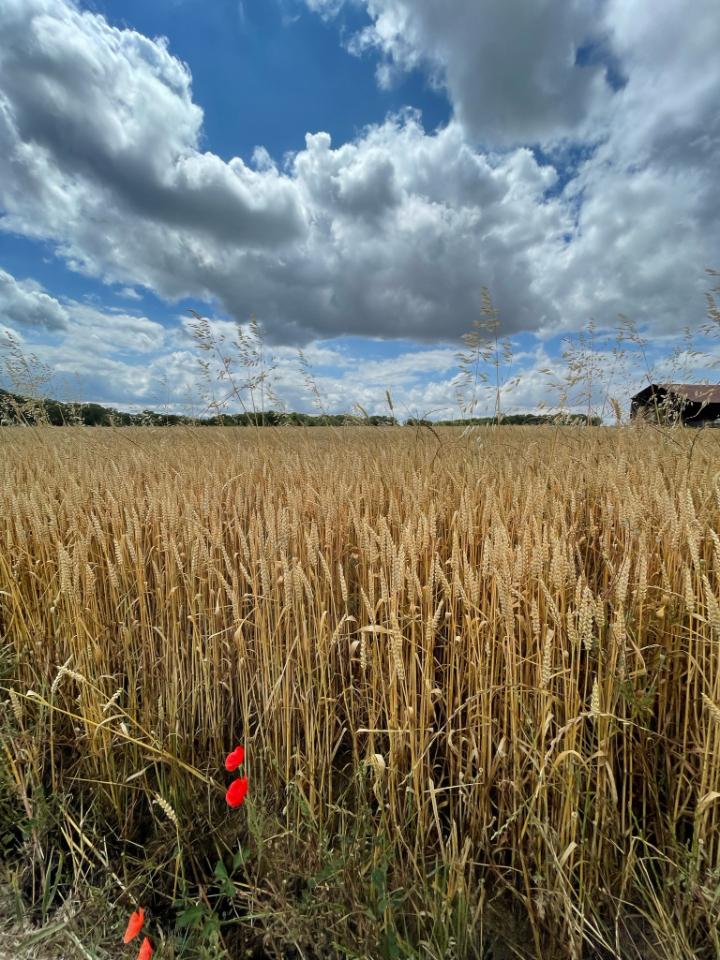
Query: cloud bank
(101,153)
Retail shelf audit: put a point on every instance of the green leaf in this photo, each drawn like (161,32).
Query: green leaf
(377,878)
(391,944)
(192,916)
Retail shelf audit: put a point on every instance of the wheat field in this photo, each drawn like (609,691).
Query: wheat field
(476,675)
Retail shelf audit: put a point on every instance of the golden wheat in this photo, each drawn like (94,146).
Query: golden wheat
(519,638)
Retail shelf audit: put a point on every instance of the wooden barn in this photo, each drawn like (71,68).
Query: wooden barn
(692,404)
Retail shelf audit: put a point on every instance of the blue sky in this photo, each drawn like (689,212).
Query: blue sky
(266,72)
(351,173)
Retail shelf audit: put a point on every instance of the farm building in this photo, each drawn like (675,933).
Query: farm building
(693,404)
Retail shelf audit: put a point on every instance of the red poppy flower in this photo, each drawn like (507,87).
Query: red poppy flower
(135,925)
(146,950)
(234,759)
(237,791)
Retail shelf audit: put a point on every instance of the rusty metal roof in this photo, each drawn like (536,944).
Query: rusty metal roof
(695,392)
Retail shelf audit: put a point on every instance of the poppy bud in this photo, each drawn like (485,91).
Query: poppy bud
(237,791)
(135,925)
(146,950)
(234,759)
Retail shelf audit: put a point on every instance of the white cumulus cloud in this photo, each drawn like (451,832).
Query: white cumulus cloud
(392,234)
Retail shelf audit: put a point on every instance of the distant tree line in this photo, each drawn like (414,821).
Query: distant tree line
(17,410)
(513,419)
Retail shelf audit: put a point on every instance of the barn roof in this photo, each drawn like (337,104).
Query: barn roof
(694,392)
